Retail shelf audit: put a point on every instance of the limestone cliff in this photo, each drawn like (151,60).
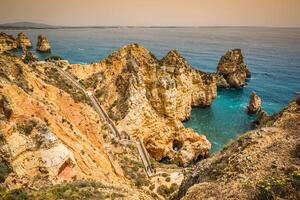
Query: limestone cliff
(49,133)
(43,44)
(231,70)
(23,40)
(148,98)
(7,42)
(260,164)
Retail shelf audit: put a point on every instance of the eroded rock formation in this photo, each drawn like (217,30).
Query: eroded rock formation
(7,42)
(254,103)
(49,134)
(233,69)
(149,98)
(260,164)
(43,44)
(23,40)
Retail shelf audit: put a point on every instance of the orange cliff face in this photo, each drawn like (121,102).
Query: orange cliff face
(148,98)
(47,132)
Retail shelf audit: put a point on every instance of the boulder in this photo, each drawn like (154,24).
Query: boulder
(233,69)
(254,104)
(43,44)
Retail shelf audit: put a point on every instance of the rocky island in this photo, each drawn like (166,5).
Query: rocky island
(43,44)
(23,41)
(231,70)
(114,129)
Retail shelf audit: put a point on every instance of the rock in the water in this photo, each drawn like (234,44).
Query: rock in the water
(43,44)
(254,104)
(23,40)
(221,81)
(7,42)
(232,67)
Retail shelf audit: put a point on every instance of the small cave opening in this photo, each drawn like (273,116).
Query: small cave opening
(200,157)
(177,145)
(165,160)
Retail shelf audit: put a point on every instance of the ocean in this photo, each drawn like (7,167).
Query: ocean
(272,55)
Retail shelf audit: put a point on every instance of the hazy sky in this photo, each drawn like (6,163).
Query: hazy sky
(154,12)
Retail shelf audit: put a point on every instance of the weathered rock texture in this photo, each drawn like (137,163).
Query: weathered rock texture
(148,98)
(7,42)
(254,103)
(49,133)
(23,40)
(43,44)
(261,164)
(233,69)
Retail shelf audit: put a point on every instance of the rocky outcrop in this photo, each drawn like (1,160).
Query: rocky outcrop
(43,44)
(148,98)
(233,69)
(49,134)
(260,164)
(43,134)
(254,103)
(33,150)
(23,40)
(7,42)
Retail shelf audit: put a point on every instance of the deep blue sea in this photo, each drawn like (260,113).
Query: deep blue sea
(272,54)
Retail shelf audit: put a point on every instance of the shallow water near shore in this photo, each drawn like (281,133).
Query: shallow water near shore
(272,54)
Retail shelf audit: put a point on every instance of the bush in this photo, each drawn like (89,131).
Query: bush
(152,187)
(29,57)
(4,171)
(54,58)
(165,191)
(279,187)
(26,126)
(16,194)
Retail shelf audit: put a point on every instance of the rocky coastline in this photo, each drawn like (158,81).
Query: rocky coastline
(52,137)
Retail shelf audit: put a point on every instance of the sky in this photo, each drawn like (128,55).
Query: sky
(270,13)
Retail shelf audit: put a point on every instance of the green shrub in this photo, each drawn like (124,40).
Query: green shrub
(152,187)
(279,187)
(16,194)
(54,58)
(29,57)
(168,179)
(26,126)
(4,170)
(165,191)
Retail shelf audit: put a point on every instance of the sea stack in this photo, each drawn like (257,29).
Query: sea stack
(7,42)
(254,104)
(43,44)
(233,69)
(23,41)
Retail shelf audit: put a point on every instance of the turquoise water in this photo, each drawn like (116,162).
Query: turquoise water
(272,54)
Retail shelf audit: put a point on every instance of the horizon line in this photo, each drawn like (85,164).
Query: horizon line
(50,26)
